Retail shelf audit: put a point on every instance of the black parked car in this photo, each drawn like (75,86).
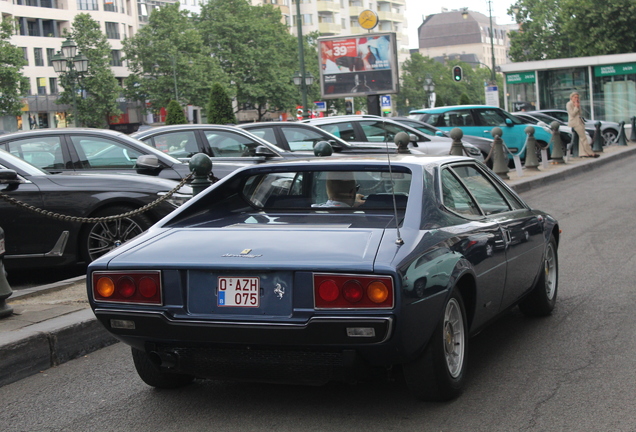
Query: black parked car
(72,150)
(34,240)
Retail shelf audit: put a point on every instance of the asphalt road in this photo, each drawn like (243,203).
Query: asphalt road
(573,371)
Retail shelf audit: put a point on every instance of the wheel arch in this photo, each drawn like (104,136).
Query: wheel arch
(467,286)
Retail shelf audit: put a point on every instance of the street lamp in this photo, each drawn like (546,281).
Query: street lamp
(429,87)
(70,66)
(303,84)
(493,79)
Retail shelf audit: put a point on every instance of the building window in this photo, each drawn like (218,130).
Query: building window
(50,52)
(41,82)
(115,58)
(53,85)
(87,5)
(110,6)
(37,56)
(25,53)
(112,30)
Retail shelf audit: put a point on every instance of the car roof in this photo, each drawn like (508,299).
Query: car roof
(442,109)
(168,128)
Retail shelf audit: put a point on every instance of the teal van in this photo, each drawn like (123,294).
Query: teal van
(479,120)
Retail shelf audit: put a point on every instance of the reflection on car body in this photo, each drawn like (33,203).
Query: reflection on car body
(285,291)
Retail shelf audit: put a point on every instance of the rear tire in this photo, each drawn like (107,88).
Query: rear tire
(609,136)
(542,298)
(439,373)
(153,376)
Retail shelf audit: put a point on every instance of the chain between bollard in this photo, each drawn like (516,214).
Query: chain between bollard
(80,219)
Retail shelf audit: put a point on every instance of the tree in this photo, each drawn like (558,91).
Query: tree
(256,51)
(13,85)
(175,114)
(550,29)
(168,60)
(220,109)
(99,83)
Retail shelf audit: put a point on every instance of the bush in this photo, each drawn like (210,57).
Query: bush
(220,109)
(175,114)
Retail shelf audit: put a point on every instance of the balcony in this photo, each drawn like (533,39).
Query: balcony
(329,28)
(354,11)
(328,6)
(390,16)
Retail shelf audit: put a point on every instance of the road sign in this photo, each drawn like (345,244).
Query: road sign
(385,101)
(320,106)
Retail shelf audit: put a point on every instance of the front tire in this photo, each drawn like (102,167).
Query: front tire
(609,136)
(101,237)
(153,376)
(542,298)
(439,373)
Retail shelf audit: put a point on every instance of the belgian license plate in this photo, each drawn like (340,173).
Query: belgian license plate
(239,291)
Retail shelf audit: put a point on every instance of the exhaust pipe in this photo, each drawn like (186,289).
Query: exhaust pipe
(166,360)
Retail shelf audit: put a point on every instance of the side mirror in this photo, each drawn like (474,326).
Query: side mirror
(323,148)
(147,162)
(439,133)
(509,122)
(9,177)
(263,151)
(335,145)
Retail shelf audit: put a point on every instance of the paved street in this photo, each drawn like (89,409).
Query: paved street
(569,372)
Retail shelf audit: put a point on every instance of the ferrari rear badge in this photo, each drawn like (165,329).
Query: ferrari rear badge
(279,291)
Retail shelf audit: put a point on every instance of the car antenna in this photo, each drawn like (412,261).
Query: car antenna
(402,140)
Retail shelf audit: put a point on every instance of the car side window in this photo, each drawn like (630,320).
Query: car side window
(179,144)
(343,130)
(230,144)
(43,152)
(266,133)
(488,196)
(301,139)
(458,118)
(456,197)
(378,131)
(96,152)
(491,117)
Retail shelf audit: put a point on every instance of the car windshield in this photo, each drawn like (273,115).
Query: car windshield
(256,198)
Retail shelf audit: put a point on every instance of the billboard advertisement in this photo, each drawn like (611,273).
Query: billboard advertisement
(358,65)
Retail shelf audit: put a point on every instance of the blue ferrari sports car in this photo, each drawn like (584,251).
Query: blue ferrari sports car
(312,271)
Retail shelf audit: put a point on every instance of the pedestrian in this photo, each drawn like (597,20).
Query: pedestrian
(576,122)
(32,122)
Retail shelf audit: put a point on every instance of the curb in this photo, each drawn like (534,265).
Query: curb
(50,343)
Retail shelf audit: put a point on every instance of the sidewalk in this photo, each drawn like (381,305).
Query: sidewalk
(52,324)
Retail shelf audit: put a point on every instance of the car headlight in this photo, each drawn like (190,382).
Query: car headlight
(472,151)
(177,198)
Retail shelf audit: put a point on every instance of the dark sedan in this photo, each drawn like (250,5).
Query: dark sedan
(65,151)
(329,269)
(34,240)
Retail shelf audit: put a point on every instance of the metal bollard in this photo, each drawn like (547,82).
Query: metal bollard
(457,148)
(597,142)
(5,289)
(500,160)
(532,162)
(621,140)
(402,140)
(201,165)
(557,146)
(632,136)
(575,143)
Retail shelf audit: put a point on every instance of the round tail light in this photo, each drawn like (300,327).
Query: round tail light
(377,292)
(328,290)
(105,287)
(352,291)
(126,287)
(147,287)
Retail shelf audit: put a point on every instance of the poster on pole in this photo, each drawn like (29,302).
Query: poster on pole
(492,95)
(358,65)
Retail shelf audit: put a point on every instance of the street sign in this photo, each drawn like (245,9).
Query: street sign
(385,101)
(321,106)
(492,95)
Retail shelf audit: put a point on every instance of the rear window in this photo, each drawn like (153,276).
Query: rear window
(328,190)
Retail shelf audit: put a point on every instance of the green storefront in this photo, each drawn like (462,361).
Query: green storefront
(607,85)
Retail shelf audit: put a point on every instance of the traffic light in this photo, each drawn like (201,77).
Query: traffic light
(457,73)
(348,107)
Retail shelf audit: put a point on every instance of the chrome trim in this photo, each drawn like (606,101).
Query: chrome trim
(269,326)
(57,251)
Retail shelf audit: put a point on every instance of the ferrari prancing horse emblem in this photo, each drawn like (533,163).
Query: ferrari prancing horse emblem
(279,291)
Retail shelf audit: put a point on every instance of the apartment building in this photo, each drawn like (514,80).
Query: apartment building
(464,34)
